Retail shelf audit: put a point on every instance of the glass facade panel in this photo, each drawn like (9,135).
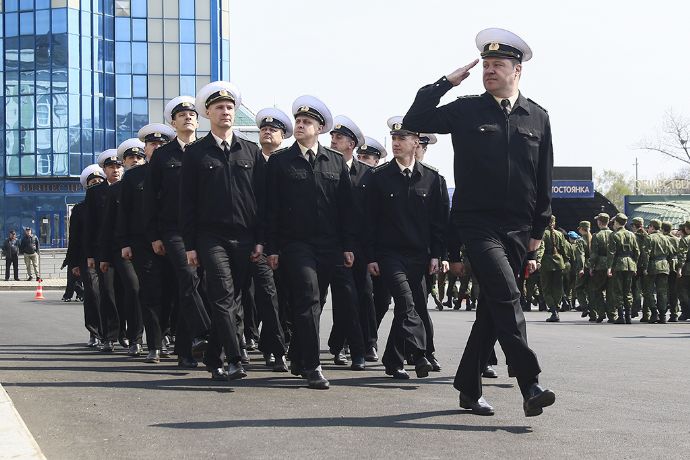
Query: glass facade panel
(28,165)
(188,85)
(26,23)
(123,85)
(59,24)
(155,30)
(138,8)
(171,63)
(156,86)
(140,114)
(187,9)
(139,30)
(187,31)
(123,58)
(122,29)
(42,22)
(27,141)
(27,111)
(155,58)
(139,58)
(171,30)
(155,8)
(187,59)
(139,86)
(203,60)
(11,24)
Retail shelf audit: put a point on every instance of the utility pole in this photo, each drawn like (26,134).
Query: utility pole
(637,188)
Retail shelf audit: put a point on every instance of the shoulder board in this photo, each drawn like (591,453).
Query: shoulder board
(537,105)
(427,166)
(279,151)
(379,167)
(332,150)
(469,96)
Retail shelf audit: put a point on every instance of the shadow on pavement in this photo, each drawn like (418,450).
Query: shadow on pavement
(386,421)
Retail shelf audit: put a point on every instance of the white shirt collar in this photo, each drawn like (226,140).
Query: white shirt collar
(182,144)
(349,163)
(266,157)
(219,141)
(314,148)
(403,168)
(512,100)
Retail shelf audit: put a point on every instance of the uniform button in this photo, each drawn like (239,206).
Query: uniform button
(391,195)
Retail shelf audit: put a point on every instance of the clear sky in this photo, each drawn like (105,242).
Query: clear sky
(606,71)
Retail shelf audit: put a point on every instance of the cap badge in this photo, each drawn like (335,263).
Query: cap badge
(224,93)
(186,104)
(304,108)
(363,147)
(268,119)
(397,126)
(156,134)
(135,149)
(338,126)
(494,47)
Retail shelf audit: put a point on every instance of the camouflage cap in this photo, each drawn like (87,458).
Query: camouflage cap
(656,223)
(666,226)
(621,218)
(602,216)
(639,221)
(585,224)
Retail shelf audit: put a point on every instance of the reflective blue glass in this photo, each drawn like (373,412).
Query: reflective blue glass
(85,23)
(73,47)
(11,83)
(138,8)
(122,29)
(42,52)
(123,57)
(73,21)
(110,139)
(86,116)
(11,5)
(26,5)
(87,143)
(60,140)
(187,85)
(27,47)
(139,86)
(27,141)
(139,30)
(42,4)
(75,168)
(26,82)
(97,25)
(187,60)
(11,24)
(74,112)
(109,7)
(109,64)
(43,81)
(98,112)
(140,115)
(123,85)
(58,50)
(59,114)
(122,136)
(187,31)
(109,84)
(42,22)
(86,82)
(12,166)
(97,5)
(60,165)
(26,23)
(123,114)
(108,27)
(139,57)
(86,53)
(74,140)
(27,111)
(43,140)
(12,142)
(28,167)
(60,80)
(98,54)
(59,25)
(109,113)
(98,139)
(187,9)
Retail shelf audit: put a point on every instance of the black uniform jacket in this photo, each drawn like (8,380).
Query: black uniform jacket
(109,244)
(502,164)
(75,246)
(310,205)
(221,193)
(360,176)
(95,201)
(130,214)
(402,217)
(162,191)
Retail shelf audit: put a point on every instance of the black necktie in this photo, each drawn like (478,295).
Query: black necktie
(226,147)
(312,157)
(505,103)
(407,174)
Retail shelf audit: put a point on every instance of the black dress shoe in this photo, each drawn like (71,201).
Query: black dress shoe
(269,359)
(536,399)
(422,367)
(187,362)
(340,359)
(371,356)
(124,342)
(165,352)
(435,366)
(280,365)
(66,299)
(199,345)
(236,371)
(251,345)
(398,374)
(134,350)
(108,346)
(244,357)
(93,342)
(297,370)
(489,372)
(153,357)
(478,407)
(219,374)
(357,363)
(317,381)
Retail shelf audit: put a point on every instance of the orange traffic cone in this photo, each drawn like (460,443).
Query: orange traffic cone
(39,292)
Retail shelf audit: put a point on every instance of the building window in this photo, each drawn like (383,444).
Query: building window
(123,8)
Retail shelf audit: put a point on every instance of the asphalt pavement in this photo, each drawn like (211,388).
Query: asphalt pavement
(621,392)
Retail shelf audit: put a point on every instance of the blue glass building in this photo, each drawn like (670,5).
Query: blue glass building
(80,76)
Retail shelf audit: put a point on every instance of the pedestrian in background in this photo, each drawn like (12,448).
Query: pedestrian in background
(10,249)
(30,248)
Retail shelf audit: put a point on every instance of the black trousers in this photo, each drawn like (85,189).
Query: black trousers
(284,303)
(73,285)
(12,261)
(107,307)
(497,258)
(226,267)
(272,337)
(149,270)
(309,270)
(403,275)
(382,298)
(251,316)
(346,323)
(92,300)
(127,301)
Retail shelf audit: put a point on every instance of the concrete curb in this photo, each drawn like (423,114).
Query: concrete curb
(15,438)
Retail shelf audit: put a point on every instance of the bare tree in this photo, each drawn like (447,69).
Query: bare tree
(673,139)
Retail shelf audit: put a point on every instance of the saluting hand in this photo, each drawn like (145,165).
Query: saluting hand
(349,259)
(457,76)
(272,261)
(192,259)
(373,269)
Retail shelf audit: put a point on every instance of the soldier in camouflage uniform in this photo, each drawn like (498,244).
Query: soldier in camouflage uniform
(683,272)
(581,265)
(598,305)
(623,254)
(638,281)
(654,258)
(552,266)
(673,268)
(568,277)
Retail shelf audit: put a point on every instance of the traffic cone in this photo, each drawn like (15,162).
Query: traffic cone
(39,292)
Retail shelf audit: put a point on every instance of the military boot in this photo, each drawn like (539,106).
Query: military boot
(627,316)
(620,319)
(654,318)
(542,305)
(554,316)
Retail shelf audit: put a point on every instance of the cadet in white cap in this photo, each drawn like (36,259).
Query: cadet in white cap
(347,324)
(274,127)
(91,175)
(502,226)
(425,140)
(161,210)
(309,204)
(371,152)
(220,193)
(155,135)
(131,153)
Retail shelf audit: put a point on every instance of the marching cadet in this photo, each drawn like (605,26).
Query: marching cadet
(91,176)
(95,202)
(274,127)
(654,259)
(220,200)
(639,280)
(371,152)
(582,253)
(356,323)
(310,229)
(673,268)
(161,208)
(131,231)
(406,219)
(621,263)
(683,272)
(568,302)
(551,270)
(600,306)
(500,137)
(118,272)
